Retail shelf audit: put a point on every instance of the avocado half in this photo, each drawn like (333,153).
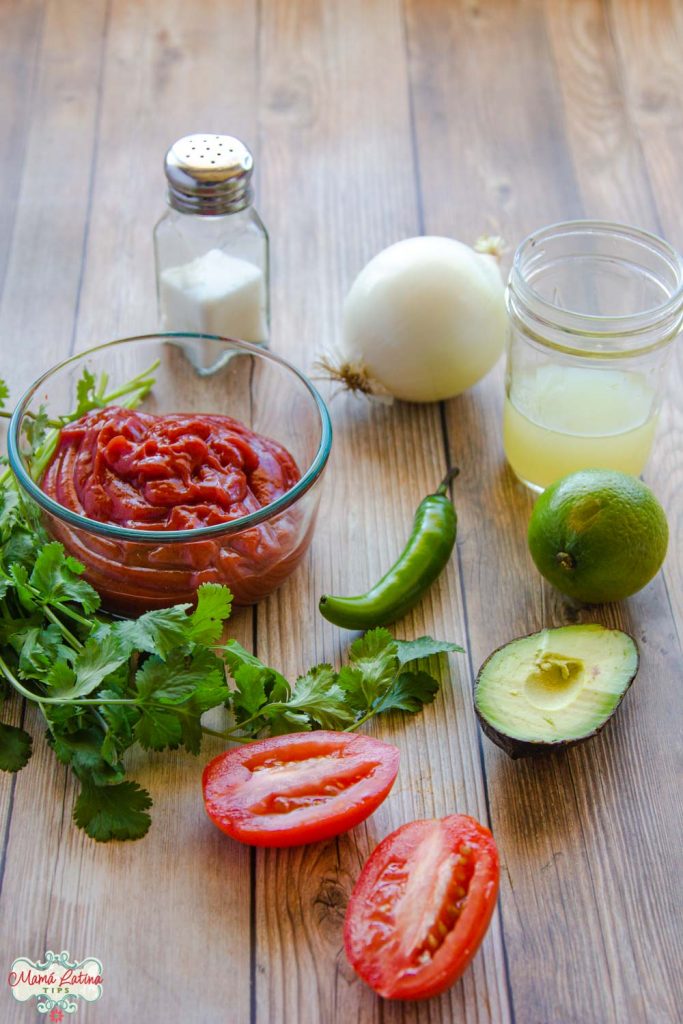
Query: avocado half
(554,688)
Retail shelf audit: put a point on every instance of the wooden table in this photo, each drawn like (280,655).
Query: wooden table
(370,122)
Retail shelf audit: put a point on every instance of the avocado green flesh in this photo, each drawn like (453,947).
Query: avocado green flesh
(557,685)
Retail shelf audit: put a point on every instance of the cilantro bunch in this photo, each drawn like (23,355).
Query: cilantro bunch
(381,676)
(104,685)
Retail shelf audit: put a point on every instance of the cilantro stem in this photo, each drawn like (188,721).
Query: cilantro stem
(100,718)
(97,702)
(213,732)
(31,415)
(228,734)
(225,735)
(361,721)
(73,640)
(72,614)
(47,720)
(40,699)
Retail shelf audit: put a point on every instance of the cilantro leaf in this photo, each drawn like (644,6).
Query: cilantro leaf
(288,721)
(56,577)
(157,632)
(15,748)
(191,734)
(67,717)
(86,398)
(120,720)
(4,393)
(260,701)
(174,680)
(98,658)
(19,576)
(39,649)
(110,749)
(164,630)
(318,695)
(409,692)
(158,730)
(20,547)
(374,656)
(211,687)
(173,696)
(82,751)
(236,655)
(35,428)
(423,647)
(249,694)
(113,812)
(350,680)
(10,512)
(214,604)
(61,678)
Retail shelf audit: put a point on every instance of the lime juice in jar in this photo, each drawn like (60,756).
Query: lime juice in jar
(568,418)
(593,308)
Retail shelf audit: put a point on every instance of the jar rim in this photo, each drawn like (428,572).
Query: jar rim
(309,477)
(584,327)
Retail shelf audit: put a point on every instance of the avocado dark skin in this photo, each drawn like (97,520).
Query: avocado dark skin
(518,748)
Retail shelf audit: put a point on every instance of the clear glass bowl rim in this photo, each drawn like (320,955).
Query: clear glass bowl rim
(607,324)
(156,537)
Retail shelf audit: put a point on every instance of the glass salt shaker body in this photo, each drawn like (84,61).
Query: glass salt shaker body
(211,247)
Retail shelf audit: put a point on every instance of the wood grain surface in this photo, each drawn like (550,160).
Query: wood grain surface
(371,120)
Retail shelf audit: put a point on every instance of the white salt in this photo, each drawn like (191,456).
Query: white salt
(215,294)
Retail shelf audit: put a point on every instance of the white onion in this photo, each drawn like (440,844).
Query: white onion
(424,320)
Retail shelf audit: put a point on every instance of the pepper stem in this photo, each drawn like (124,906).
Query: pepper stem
(450,475)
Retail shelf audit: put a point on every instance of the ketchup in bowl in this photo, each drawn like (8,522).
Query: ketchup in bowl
(175,472)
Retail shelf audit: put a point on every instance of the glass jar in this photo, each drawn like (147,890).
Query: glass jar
(211,247)
(593,311)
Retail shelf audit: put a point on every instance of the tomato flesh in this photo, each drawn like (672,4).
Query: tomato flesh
(300,788)
(421,906)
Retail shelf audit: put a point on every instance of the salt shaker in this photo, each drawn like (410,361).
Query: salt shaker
(211,247)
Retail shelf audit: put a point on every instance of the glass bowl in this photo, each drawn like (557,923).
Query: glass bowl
(135,570)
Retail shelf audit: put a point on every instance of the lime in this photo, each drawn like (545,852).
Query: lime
(598,535)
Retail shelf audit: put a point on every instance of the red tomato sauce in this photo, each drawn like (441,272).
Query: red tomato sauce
(174,472)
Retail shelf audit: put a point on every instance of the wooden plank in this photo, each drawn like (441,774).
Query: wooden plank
(647,43)
(43,267)
(40,286)
(565,825)
(332,200)
(20,32)
(187,955)
(641,772)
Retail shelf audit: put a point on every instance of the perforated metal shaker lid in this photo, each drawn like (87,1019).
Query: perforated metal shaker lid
(209,174)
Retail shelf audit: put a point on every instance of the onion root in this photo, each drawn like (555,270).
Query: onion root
(352,377)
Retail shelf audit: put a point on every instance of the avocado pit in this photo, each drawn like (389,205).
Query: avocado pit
(554,681)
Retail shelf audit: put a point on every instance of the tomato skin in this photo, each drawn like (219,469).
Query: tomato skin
(409,933)
(299,788)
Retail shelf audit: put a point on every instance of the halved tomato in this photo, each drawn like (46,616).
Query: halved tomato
(421,906)
(299,788)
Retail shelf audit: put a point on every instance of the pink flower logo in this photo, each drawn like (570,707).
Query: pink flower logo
(56,1016)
